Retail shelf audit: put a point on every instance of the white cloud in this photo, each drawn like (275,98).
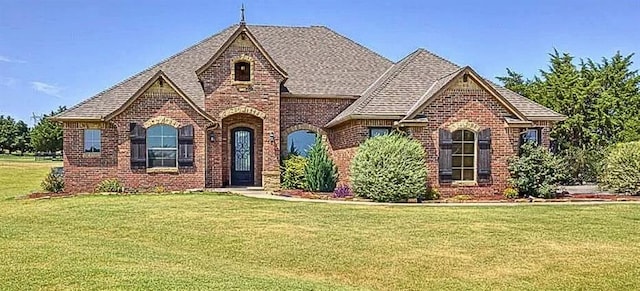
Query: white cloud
(45,88)
(8,60)
(8,81)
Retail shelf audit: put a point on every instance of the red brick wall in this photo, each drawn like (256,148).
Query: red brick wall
(262,93)
(467,101)
(82,174)
(313,111)
(84,171)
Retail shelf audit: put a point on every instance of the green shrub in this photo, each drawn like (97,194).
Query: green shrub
(390,168)
(536,172)
(585,166)
(293,172)
(54,182)
(621,171)
(510,193)
(320,173)
(110,185)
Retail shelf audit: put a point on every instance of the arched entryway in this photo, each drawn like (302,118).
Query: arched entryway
(242,150)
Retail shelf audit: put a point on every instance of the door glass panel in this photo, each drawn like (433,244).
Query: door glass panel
(243,151)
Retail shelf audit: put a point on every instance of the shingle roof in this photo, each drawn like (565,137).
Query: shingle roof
(317,60)
(413,80)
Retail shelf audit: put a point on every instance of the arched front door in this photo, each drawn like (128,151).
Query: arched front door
(242,156)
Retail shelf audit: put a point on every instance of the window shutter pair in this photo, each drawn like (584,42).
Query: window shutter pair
(483,159)
(138,138)
(185,146)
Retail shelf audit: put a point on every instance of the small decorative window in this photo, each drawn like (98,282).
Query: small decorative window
(464,155)
(162,146)
(242,71)
(92,140)
(531,135)
(377,131)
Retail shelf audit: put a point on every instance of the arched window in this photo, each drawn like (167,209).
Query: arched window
(162,146)
(242,71)
(464,155)
(299,142)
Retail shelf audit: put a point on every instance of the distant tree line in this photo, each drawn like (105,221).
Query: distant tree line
(600,99)
(16,136)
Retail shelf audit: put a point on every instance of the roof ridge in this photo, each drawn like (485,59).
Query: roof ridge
(439,57)
(352,41)
(148,69)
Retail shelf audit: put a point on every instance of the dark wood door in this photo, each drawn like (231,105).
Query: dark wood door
(242,156)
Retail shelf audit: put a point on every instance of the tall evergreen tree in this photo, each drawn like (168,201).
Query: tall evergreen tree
(321,174)
(601,102)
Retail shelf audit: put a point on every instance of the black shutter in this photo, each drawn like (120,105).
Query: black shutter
(138,137)
(444,159)
(185,146)
(484,156)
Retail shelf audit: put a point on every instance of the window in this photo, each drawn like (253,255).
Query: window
(162,146)
(376,131)
(464,155)
(242,71)
(92,141)
(531,135)
(299,142)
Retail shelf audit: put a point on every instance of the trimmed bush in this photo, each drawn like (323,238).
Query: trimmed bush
(390,168)
(536,172)
(54,182)
(621,171)
(321,174)
(293,172)
(510,193)
(110,185)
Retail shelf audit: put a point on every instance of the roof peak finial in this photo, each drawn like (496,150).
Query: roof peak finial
(242,14)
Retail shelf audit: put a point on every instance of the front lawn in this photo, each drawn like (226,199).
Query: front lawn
(214,241)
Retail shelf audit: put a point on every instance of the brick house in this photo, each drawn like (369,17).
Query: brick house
(222,112)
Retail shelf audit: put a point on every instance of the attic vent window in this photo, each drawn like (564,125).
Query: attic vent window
(242,71)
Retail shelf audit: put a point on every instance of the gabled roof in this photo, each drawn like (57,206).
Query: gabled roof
(160,75)
(242,29)
(400,87)
(317,60)
(445,82)
(407,85)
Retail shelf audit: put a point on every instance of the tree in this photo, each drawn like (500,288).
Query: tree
(7,133)
(22,139)
(601,102)
(321,174)
(46,136)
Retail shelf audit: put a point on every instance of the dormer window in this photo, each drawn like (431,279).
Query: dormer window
(242,71)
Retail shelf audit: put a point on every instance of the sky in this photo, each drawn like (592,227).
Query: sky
(61,52)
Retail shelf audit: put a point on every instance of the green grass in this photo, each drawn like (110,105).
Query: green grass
(213,241)
(22,175)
